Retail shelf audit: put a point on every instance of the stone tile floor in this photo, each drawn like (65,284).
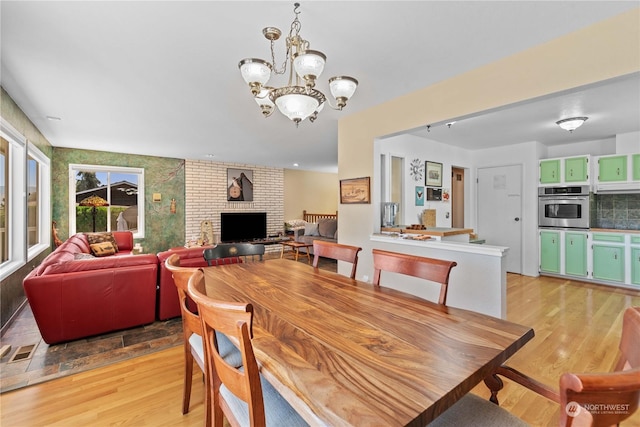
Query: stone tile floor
(57,360)
(53,361)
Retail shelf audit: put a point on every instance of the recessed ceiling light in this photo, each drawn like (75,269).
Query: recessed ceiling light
(210,155)
(54,118)
(296,165)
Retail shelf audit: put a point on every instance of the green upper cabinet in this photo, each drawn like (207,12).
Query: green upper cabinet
(612,168)
(576,169)
(550,171)
(635,165)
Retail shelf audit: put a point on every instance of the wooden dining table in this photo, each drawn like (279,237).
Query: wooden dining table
(345,353)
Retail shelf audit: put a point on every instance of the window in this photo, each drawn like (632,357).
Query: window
(106,198)
(32,201)
(4,195)
(25,180)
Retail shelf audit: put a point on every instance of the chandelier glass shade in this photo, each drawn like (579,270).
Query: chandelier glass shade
(299,99)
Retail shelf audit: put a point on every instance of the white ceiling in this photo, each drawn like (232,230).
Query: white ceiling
(161,77)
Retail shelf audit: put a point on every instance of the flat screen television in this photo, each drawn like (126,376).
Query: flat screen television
(242,226)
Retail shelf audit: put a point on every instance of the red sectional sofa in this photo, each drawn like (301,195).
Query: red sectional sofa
(73,295)
(168,305)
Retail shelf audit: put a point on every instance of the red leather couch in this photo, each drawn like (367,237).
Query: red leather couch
(168,305)
(73,297)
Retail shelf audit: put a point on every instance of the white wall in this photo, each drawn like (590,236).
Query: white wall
(525,154)
(627,143)
(599,147)
(411,147)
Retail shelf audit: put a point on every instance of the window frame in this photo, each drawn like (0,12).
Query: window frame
(44,201)
(74,168)
(19,149)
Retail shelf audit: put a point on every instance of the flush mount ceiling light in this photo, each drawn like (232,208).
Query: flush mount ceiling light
(299,99)
(572,123)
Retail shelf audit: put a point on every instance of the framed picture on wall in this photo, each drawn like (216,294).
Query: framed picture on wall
(433,174)
(419,195)
(355,190)
(239,185)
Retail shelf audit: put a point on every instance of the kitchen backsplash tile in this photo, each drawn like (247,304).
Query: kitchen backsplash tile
(618,211)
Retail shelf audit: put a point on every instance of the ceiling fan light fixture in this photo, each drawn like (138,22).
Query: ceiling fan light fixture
(572,123)
(299,99)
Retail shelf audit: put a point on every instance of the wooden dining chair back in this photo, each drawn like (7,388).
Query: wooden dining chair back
(336,251)
(596,393)
(192,335)
(229,253)
(432,269)
(191,328)
(239,394)
(620,389)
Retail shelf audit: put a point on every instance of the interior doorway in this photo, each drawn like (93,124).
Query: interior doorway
(457,197)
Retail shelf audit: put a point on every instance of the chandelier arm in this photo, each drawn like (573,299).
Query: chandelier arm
(337,107)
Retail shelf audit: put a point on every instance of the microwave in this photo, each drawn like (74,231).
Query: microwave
(564,207)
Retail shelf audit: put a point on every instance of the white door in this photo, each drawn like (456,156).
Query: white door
(500,211)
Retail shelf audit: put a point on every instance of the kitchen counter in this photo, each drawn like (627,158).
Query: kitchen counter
(613,230)
(437,233)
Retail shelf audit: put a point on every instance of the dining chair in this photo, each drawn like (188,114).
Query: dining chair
(592,392)
(336,251)
(240,394)
(192,332)
(228,253)
(432,269)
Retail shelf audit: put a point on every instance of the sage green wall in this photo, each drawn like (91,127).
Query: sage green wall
(162,175)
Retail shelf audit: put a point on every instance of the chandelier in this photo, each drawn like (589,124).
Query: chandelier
(299,99)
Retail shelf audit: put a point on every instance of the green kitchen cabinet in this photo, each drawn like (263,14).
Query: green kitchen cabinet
(550,251)
(575,254)
(612,168)
(635,266)
(550,171)
(635,165)
(576,169)
(608,262)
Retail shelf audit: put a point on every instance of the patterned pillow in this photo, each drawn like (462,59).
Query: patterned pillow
(102,237)
(103,249)
(82,255)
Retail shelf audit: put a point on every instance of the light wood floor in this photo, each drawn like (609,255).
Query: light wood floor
(577,328)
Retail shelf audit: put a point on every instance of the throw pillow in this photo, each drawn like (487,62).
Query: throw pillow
(102,237)
(327,227)
(311,229)
(82,255)
(103,249)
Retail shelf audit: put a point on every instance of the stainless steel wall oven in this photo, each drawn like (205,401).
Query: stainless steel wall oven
(565,207)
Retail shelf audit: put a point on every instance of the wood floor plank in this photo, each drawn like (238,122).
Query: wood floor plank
(577,329)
